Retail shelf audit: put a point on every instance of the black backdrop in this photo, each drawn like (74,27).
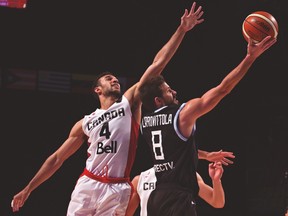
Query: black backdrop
(123,36)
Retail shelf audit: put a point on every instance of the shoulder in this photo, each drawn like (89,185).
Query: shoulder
(175,107)
(79,123)
(130,93)
(77,129)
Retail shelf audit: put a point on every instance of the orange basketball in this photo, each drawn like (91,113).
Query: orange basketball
(259,25)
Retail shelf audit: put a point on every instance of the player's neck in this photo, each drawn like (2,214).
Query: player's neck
(107,102)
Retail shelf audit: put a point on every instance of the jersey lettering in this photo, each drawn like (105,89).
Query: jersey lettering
(157,145)
(105,130)
(164,166)
(108,148)
(106,117)
(161,119)
(149,185)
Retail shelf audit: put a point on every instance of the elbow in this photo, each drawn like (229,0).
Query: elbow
(54,161)
(226,87)
(159,65)
(225,90)
(219,204)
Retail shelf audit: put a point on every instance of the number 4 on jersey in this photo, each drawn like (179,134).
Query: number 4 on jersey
(105,130)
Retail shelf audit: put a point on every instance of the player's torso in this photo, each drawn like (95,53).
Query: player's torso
(109,138)
(173,154)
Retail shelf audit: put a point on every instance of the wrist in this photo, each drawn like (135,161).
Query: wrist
(182,29)
(202,154)
(216,182)
(250,58)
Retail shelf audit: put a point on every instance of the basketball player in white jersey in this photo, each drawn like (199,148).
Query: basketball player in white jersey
(111,132)
(145,183)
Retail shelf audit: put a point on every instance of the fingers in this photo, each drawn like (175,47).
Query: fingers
(218,164)
(193,7)
(228,161)
(250,41)
(16,205)
(215,164)
(198,11)
(265,40)
(185,13)
(224,163)
(228,154)
(268,42)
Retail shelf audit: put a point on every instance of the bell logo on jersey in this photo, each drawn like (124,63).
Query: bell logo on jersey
(108,148)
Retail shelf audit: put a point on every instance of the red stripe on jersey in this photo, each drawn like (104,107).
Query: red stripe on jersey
(132,146)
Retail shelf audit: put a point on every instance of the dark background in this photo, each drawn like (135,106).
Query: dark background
(123,36)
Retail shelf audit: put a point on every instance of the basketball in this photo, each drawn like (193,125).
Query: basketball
(259,25)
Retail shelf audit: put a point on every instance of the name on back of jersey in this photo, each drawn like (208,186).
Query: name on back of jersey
(161,119)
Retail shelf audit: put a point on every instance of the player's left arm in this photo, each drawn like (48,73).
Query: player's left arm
(189,20)
(197,107)
(135,199)
(215,196)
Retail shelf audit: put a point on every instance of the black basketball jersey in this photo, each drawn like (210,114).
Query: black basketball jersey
(175,157)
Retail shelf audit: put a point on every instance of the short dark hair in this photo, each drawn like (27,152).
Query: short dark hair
(96,81)
(149,90)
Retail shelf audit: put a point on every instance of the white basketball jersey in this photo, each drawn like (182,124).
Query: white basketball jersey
(146,184)
(112,138)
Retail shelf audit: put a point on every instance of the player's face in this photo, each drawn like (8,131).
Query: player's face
(168,95)
(110,86)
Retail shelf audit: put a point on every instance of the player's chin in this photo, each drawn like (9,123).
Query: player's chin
(176,101)
(116,90)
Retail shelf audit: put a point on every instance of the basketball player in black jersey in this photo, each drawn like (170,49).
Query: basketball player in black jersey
(168,130)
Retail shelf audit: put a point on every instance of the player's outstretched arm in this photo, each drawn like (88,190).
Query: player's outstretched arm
(197,107)
(189,20)
(51,165)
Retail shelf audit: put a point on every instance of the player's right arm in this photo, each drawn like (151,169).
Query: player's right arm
(197,107)
(75,139)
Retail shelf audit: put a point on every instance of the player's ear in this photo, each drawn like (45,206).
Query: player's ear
(97,90)
(158,101)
